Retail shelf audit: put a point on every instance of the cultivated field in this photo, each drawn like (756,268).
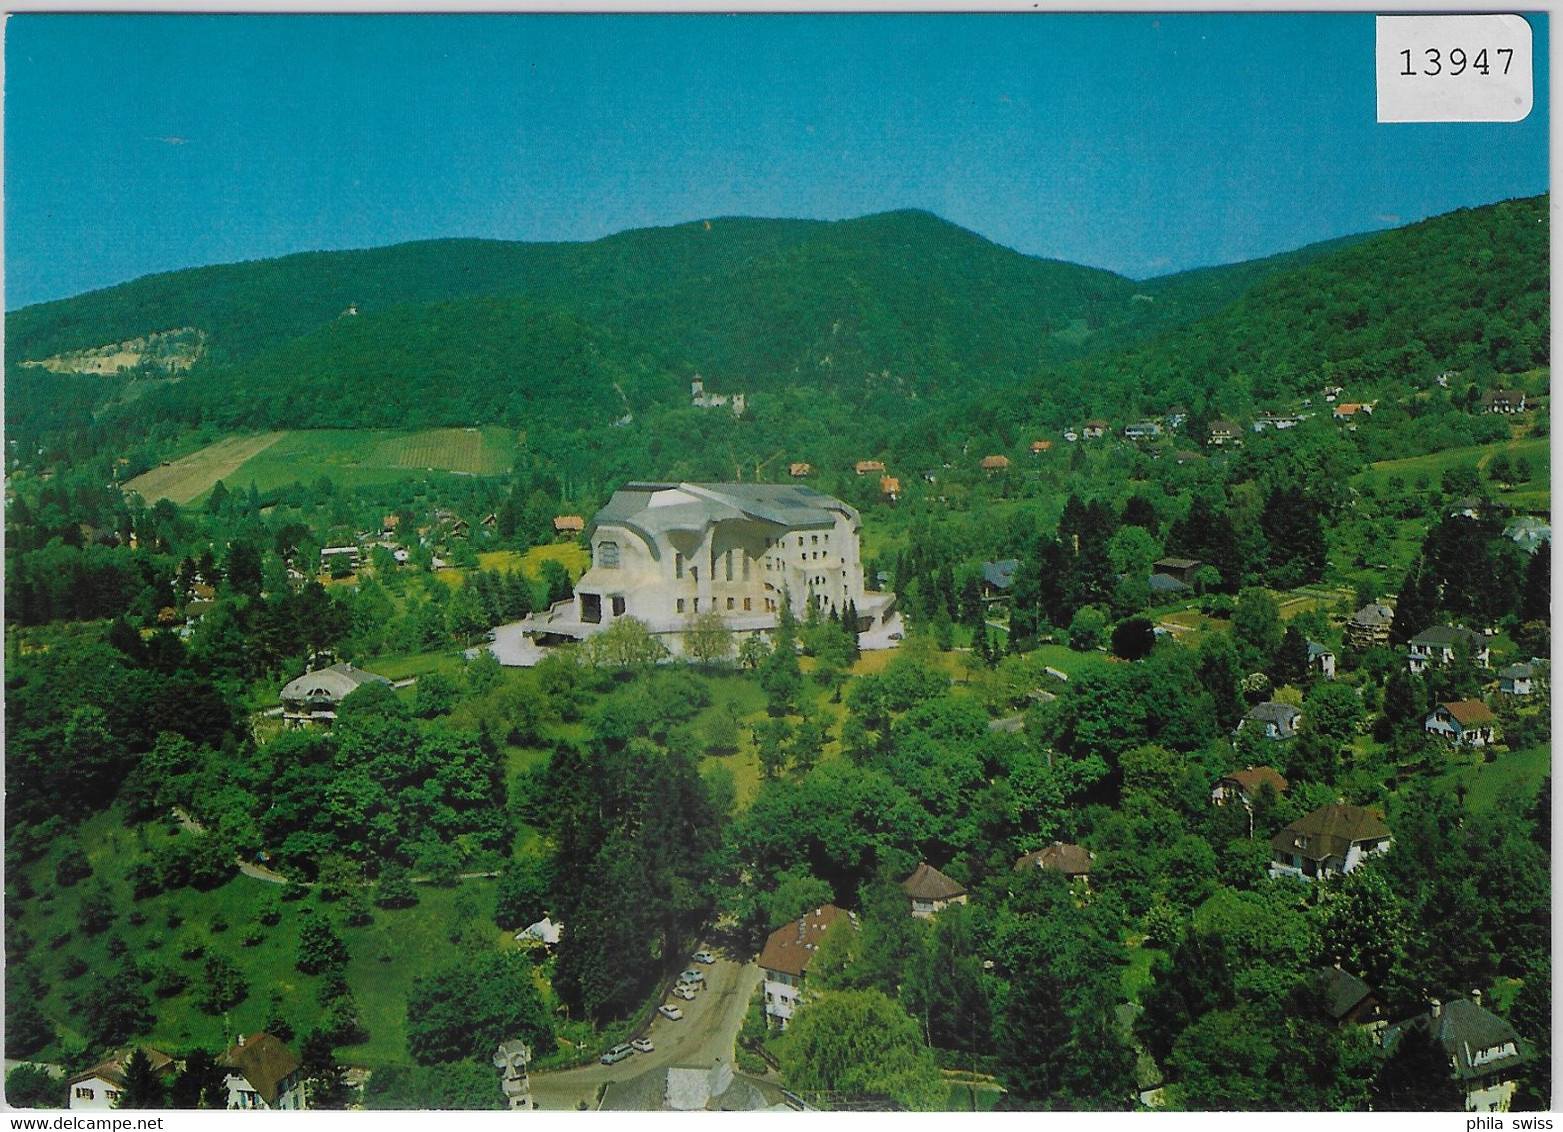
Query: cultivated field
(191,477)
(351,457)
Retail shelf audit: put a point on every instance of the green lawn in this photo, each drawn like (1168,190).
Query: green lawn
(1535,449)
(1514,775)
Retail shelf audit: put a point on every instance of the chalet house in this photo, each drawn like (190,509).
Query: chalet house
(315,696)
(700,399)
(1243,785)
(930,891)
(1225,432)
(1278,421)
(1349,1000)
(1321,658)
(1466,507)
(1484,1051)
(1074,861)
(995,463)
(1515,680)
(865,467)
(1142,430)
(1331,840)
(98,1089)
(263,1073)
(1093,430)
(1183,569)
(800,471)
(568,524)
(785,960)
(1503,401)
(665,553)
(1040,446)
(1369,626)
(1278,721)
(998,579)
(1465,723)
(1350,411)
(1435,647)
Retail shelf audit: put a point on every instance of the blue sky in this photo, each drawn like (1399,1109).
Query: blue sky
(1139,143)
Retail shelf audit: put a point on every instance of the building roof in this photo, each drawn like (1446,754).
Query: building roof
(993,462)
(1252,778)
(569,523)
(1470,713)
(1041,445)
(1340,992)
(264,1062)
(1517,672)
(1095,423)
(1284,716)
(869,466)
(1447,636)
(112,1068)
(1165,564)
(1000,575)
(1329,831)
(1071,860)
(654,509)
(790,947)
(1373,615)
(332,683)
(1316,650)
(890,485)
(1465,1030)
(1224,427)
(1166,584)
(928,883)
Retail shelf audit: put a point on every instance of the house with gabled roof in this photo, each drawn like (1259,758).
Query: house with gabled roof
(263,1073)
(1243,785)
(1503,401)
(98,1089)
(1465,723)
(1485,1052)
(1330,841)
(1515,679)
(784,962)
(1435,647)
(1278,721)
(995,463)
(1347,999)
(930,891)
(1223,433)
(1321,657)
(998,578)
(1074,861)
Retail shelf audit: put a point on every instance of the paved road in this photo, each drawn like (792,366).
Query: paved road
(704,1035)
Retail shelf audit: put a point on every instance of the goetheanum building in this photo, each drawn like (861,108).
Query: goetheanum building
(667,553)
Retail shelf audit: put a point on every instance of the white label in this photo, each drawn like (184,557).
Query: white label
(1454,69)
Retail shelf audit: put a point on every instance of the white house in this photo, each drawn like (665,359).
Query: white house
(785,960)
(1515,680)
(1484,1051)
(1466,723)
(1435,647)
(315,696)
(1331,840)
(930,891)
(98,1089)
(263,1073)
(666,553)
(1322,658)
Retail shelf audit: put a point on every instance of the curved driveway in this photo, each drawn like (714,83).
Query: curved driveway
(704,1035)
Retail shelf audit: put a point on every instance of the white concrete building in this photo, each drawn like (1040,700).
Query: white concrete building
(667,553)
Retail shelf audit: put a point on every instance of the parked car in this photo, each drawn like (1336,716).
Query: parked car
(670,1012)
(704,957)
(643,1045)
(616,1054)
(692,976)
(685,992)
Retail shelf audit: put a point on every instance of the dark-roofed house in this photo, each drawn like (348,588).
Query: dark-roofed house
(263,1073)
(1242,785)
(1223,433)
(1333,839)
(785,960)
(315,696)
(1504,401)
(998,579)
(1074,861)
(1485,1053)
(667,553)
(930,891)
(1465,723)
(1166,586)
(1348,1000)
(1515,680)
(1322,658)
(1528,533)
(1278,721)
(1094,429)
(97,1089)
(1369,626)
(1435,647)
(1183,569)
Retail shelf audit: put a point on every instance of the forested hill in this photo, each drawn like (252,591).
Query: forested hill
(1467,291)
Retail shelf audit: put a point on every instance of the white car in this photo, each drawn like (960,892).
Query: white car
(704,957)
(643,1045)
(670,1012)
(692,976)
(687,993)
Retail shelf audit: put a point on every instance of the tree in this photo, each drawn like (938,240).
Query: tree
(464,1010)
(945,986)
(114,1007)
(456,1085)
(522,897)
(861,1043)
(394,888)
(708,639)
(31,1086)
(1256,630)
(1418,1075)
(1291,659)
(1363,924)
(224,986)
(143,1086)
(627,643)
(320,949)
(781,678)
(1086,628)
(325,1080)
(201,1083)
(1133,638)
(436,694)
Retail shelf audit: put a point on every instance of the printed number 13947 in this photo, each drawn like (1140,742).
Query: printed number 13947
(1456,62)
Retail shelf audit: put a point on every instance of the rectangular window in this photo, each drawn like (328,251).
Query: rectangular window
(729,603)
(678,565)
(729,565)
(746,567)
(681,605)
(747,602)
(618,605)
(608,555)
(83,1092)
(697,605)
(814,540)
(800,540)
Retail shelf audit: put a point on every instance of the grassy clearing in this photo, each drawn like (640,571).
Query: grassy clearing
(1516,776)
(1137,975)
(480,452)
(573,557)
(1432,466)
(190,477)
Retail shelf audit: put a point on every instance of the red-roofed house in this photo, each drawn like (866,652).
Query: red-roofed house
(1468,723)
(1243,785)
(1074,861)
(263,1073)
(785,960)
(930,891)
